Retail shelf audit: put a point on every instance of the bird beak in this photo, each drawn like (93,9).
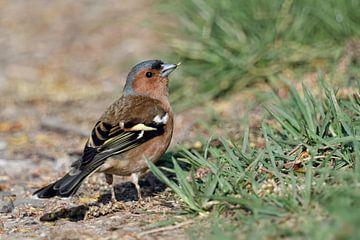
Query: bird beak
(168,68)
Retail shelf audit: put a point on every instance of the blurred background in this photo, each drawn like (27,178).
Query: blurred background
(63,62)
(68,60)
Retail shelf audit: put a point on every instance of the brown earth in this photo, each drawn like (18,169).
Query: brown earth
(61,64)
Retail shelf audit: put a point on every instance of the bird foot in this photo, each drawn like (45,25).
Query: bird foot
(135,181)
(113,195)
(139,197)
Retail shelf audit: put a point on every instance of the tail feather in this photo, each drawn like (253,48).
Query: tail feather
(69,184)
(66,186)
(46,192)
(57,189)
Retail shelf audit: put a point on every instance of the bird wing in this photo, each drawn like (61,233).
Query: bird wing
(123,127)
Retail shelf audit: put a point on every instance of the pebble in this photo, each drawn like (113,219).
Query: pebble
(6,206)
(6,202)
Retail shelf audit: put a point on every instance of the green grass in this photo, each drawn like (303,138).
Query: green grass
(228,45)
(304,183)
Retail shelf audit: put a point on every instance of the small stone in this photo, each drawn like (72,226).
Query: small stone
(6,202)
(6,206)
(197,145)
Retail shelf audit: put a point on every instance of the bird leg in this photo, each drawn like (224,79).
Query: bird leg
(135,181)
(109,180)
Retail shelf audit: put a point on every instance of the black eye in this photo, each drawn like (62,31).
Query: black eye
(149,74)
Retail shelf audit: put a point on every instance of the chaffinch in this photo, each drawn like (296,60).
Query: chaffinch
(138,126)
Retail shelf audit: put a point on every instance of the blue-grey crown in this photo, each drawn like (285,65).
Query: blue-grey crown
(152,64)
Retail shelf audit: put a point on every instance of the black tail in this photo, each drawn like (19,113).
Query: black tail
(66,186)
(70,183)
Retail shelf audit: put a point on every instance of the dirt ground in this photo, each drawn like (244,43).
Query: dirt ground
(61,64)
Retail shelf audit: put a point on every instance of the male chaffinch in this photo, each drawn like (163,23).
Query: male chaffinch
(138,126)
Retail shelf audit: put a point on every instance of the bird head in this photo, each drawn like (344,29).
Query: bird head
(149,78)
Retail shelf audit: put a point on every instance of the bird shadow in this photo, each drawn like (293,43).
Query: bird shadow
(124,192)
